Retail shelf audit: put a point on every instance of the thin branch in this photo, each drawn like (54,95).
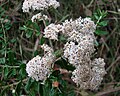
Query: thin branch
(11,85)
(4,66)
(105,93)
(90,3)
(118,58)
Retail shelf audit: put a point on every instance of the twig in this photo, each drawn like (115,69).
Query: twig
(4,38)
(118,58)
(11,85)
(113,12)
(108,92)
(4,66)
(27,41)
(37,43)
(27,49)
(90,3)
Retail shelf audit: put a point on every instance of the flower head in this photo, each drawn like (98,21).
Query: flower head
(39,4)
(52,30)
(39,68)
(89,76)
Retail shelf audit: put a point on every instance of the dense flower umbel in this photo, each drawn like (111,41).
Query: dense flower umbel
(89,76)
(98,71)
(78,50)
(79,27)
(52,30)
(74,30)
(77,53)
(39,4)
(39,68)
(82,76)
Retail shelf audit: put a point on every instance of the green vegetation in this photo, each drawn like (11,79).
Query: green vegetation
(20,41)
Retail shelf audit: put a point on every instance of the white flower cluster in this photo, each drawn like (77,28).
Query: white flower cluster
(52,30)
(78,50)
(74,30)
(78,28)
(39,68)
(39,4)
(39,16)
(80,45)
(98,71)
(89,75)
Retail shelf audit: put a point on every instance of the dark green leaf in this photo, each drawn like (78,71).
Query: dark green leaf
(14,72)
(101,33)
(11,57)
(22,72)
(23,28)
(6,71)
(28,85)
(58,53)
(103,23)
(22,65)
(96,16)
(96,43)
(29,34)
(36,26)
(7,26)
(42,40)
(37,33)
(32,93)
(13,40)
(40,89)
(62,38)
(18,88)
(2,60)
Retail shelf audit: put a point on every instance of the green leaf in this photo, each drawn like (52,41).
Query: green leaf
(22,65)
(42,40)
(14,72)
(96,16)
(29,34)
(7,26)
(103,23)
(2,60)
(28,85)
(13,40)
(23,28)
(22,70)
(36,26)
(11,57)
(101,33)
(40,89)
(29,22)
(6,71)
(32,93)
(57,53)
(1,30)
(96,43)
(62,38)
(18,87)
(37,33)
